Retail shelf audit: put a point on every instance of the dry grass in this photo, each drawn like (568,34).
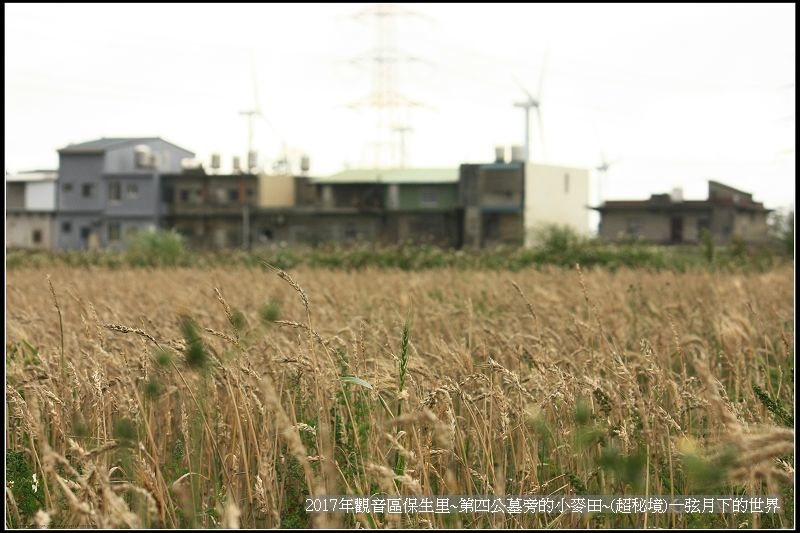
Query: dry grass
(167,402)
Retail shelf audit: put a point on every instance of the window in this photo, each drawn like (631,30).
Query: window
(132,190)
(566,183)
(66,227)
(233,195)
(37,236)
(85,232)
(88,190)
(633,227)
(703,225)
(250,193)
(114,192)
(184,195)
(113,231)
(67,187)
(428,197)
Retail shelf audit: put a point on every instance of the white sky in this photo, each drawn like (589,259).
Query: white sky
(677,93)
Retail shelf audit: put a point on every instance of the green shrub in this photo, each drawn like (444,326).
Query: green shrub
(270,312)
(25,486)
(781,229)
(156,248)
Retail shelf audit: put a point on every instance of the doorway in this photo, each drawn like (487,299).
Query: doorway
(676,230)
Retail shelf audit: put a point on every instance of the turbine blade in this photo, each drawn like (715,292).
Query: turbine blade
(522,87)
(541,76)
(254,74)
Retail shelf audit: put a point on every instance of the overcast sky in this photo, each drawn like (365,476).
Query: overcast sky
(677,94)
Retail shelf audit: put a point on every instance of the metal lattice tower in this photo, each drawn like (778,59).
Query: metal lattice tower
(391,108)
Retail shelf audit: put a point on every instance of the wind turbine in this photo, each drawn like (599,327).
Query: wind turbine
(533,103)
(602,170)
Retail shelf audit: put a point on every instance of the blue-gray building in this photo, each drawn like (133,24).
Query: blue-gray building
(109,189)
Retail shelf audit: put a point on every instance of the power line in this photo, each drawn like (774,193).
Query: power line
(385,99)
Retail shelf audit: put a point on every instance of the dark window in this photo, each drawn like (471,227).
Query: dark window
(66,227)
(113,231)
(133,190)
(250,193)
(114,191)
(169,194)
(184,195)
(186,232)
(428,197)
(88,190)
(37,236)
(85,232)
(491,226)
(233,195)
(67,187)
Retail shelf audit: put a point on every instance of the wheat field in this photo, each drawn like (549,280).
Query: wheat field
(224,397)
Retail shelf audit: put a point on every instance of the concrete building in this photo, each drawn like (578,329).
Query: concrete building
(31,209)
(411,205)
(210,210)
(109,189)
(728,213)
(555,195)
(506,202)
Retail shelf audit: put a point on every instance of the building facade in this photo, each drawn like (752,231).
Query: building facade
(109,189)
(505,203)
(210,210)
(727,214)
(390,206)
(31,209)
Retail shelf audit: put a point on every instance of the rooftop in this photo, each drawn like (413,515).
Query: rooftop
(394,175)
(99,146)
(32,175)
(719,194)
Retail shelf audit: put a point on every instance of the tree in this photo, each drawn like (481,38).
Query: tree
(781,229)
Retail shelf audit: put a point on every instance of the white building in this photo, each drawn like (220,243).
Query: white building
(505,203)
(30,209)
(555,195)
